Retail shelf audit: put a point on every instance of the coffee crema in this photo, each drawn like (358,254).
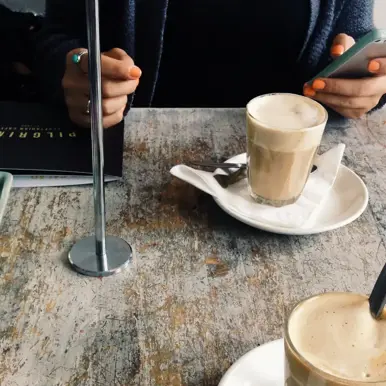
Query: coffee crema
(283,135)
(336,334)
(286,112)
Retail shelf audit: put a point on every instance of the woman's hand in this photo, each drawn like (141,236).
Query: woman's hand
(351,98)
(120,77)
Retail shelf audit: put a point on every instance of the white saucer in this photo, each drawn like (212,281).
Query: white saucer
(346,201)
(263,366)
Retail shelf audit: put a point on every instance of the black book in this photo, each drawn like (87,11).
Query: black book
(40,146)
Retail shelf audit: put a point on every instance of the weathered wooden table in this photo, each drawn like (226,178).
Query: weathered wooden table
(203,289)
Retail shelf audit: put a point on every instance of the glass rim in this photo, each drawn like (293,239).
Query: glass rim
(309,365)
(305,129)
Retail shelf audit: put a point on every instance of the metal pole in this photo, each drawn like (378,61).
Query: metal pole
(94,71)
(98,256)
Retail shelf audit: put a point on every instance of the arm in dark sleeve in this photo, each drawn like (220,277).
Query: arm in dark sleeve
(356,18)
(63,30)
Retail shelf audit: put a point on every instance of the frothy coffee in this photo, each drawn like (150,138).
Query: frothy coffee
(336,334)
(283,134)
(285,112)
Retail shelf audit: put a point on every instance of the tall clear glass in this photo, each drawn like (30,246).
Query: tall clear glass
(283,136)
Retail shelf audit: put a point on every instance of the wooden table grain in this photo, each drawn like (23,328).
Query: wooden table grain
(203,289)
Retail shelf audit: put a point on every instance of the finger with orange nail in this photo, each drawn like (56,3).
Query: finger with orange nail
(308,91)
(377,66)
(341,44)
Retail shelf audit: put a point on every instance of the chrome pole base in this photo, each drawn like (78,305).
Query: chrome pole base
(84,259)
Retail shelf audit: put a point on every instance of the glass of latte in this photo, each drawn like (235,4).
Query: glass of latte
(332,340)
(283,135)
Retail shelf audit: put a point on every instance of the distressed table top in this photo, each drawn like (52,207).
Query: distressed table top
(203,289)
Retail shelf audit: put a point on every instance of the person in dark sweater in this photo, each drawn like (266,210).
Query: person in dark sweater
(17,34)
(206,53)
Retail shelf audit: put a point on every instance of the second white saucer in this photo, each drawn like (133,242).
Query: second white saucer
(262,366)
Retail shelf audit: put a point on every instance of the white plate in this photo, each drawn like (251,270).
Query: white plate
(263,366)
(346,201)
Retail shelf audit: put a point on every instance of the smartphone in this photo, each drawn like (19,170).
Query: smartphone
(354,62)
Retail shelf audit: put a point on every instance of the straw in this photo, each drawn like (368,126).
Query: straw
(377,298)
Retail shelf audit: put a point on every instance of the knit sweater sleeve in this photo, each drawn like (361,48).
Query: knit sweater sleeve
(355,18)
(63,30)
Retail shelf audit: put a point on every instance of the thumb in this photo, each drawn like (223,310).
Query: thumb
(341,44)
(117,53)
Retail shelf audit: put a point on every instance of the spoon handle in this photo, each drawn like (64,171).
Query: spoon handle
(377,298)
(224,165)
(219,165)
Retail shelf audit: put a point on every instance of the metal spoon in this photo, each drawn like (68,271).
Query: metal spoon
(228,179)
(218,165)
(231,178)
(225,165)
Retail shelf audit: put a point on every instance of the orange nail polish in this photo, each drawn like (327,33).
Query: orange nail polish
(319,84)
(135,72)
(309,92)
(337,50)
(374,66)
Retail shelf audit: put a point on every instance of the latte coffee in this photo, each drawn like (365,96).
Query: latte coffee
(283,135)
(332,339)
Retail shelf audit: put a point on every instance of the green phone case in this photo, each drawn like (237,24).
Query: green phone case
(369,47)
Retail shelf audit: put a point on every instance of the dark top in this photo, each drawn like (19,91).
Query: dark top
(17,36)
(138,26)
(224,53)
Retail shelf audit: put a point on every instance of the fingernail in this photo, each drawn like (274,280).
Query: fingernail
(309,92)
(374,66)
(337,50)
(319,84)
(135,72)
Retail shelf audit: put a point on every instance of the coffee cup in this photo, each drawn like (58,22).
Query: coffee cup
(332,340)
(284,132)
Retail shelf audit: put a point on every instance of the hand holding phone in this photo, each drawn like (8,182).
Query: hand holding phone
(355,82)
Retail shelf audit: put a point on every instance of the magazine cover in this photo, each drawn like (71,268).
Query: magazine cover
(41,147)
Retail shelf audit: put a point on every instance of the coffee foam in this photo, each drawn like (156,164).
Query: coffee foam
(336,333)
(286,111)
(275,109)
